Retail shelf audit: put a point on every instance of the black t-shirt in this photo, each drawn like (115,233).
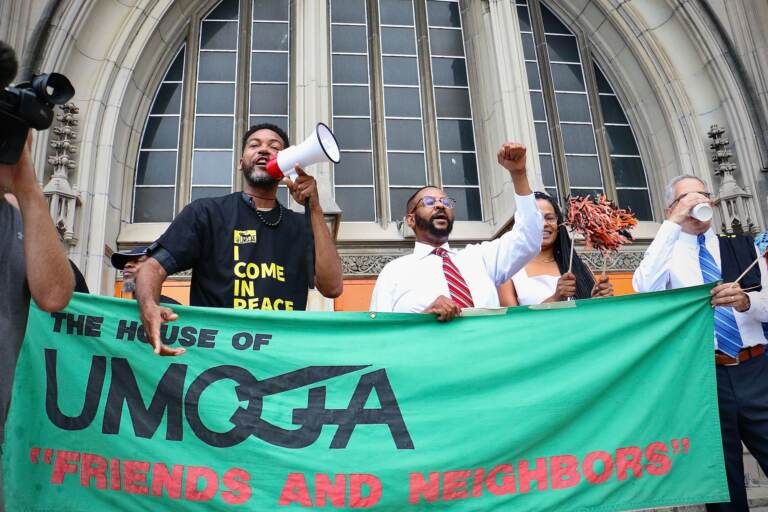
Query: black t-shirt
(164,299)
(237,260)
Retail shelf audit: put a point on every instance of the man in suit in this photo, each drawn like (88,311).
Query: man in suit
(686,252)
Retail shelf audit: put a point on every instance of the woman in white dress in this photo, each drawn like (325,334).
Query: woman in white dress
(546,277)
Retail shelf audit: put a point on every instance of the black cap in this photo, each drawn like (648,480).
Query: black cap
(9,66)
(120,258)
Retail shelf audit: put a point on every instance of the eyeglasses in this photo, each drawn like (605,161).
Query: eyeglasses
(708,195)
(430,201)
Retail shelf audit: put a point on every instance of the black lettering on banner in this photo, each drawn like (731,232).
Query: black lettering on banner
(169,338)
(356,414)
(246,340)
(93,326)
(58,317)
(248,421)
(260,339)
(187,336)
(131,330)
(81,325)
(168,396)
(126,329)
(242,340)
(75,324)
(92,393)
(241,419)
(388,414)
(168,400)
(310,430)
(206,338)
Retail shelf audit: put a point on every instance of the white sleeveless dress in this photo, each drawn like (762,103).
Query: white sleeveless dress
(533,290)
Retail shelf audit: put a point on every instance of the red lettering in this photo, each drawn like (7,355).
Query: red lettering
(336,492)
(295,491)
(477,483)
(507,480)
(525,475)
(114,474)
(93,466)
(429,490)
(236,480)
(170,481)
(356,483)
(455,485)
(564,471)
(659,464)
(588,467)
(63,465)
(135,476)
(628,458)
(211,485)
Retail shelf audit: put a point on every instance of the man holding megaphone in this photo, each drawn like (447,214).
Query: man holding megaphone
(246,250)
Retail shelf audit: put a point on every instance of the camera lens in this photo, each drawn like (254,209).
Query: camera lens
(53,88)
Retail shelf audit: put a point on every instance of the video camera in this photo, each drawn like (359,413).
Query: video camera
(26,105)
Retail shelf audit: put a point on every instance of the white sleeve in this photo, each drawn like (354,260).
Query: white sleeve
(382,299)
(758,301)
(505,256)
(652,274)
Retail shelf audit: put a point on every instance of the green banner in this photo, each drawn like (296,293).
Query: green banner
(605,404)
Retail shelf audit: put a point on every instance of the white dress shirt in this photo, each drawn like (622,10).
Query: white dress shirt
(411,283)
(672,261)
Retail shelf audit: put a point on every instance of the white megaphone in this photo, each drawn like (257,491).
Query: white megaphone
(321,146)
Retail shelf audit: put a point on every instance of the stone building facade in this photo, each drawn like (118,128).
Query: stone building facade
(612,96)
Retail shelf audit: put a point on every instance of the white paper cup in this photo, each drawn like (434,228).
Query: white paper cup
(702,212)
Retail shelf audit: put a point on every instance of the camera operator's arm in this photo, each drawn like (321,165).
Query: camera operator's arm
(49,275)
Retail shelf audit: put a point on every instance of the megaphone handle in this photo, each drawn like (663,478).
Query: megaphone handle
(310,246)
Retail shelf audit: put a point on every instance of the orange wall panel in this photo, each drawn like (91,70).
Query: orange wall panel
(357,292)
(622,283)
(356,296)
(178,290)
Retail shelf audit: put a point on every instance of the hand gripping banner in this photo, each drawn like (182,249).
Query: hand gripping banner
(599,405)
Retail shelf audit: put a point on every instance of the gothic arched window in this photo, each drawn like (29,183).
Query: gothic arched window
(586,145)
(401,62)
(400,104)
(237,71)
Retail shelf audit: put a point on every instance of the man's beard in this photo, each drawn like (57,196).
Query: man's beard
(129,286)
(258,179)
(429,225)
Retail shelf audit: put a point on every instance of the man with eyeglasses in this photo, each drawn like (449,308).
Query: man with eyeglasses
(686,252)
(441,280)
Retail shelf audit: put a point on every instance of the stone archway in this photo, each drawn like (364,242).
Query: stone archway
(666,64)
(674,71)
(112,53)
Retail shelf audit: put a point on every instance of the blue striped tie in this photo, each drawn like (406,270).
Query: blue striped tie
(726,330)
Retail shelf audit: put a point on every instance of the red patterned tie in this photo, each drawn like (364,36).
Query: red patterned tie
(457,286)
